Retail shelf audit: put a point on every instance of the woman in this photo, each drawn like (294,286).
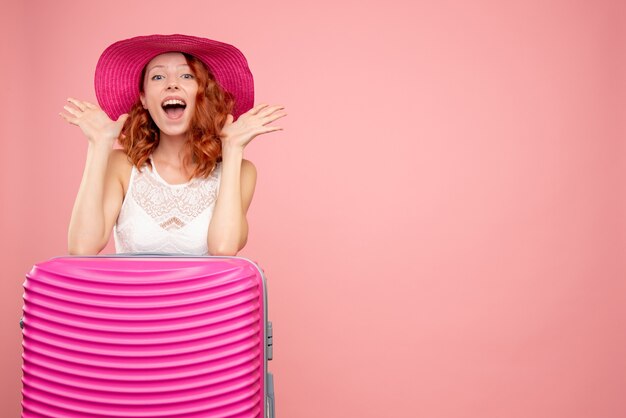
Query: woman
(180,184)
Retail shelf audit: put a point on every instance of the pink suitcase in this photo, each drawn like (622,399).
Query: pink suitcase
(146,336)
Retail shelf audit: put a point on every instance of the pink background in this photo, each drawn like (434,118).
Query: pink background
(442,219)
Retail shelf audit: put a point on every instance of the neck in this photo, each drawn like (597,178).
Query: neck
(171,149)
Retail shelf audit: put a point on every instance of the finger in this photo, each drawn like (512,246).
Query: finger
(67,118)
(257,108)
(76,103)
(122,118)
(90,105)
(271,129)
(269,110)
(272,118)
(71,110)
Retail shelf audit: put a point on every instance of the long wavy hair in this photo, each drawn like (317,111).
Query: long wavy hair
(140,135)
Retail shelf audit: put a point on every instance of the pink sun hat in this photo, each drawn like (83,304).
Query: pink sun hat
(120,65)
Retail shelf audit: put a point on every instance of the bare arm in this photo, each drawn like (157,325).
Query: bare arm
(98,201)
(228,230)
(100,193)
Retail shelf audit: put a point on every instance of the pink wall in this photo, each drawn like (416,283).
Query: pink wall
(442,219)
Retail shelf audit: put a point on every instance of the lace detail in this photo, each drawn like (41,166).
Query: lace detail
(169,205)
(172,223)
(166,218)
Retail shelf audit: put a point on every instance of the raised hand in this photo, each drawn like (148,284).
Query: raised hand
(249,125)
(93,121)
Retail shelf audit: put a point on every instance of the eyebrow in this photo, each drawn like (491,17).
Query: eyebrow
(178,66)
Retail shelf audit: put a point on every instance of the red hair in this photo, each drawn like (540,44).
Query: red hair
(140,135)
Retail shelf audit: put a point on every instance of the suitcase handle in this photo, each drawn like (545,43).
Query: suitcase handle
(270,396)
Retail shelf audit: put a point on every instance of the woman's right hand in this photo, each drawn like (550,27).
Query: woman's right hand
(93,121)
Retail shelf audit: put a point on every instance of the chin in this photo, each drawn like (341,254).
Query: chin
(174,131)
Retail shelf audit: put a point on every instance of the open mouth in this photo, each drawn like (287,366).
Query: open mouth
(174,108)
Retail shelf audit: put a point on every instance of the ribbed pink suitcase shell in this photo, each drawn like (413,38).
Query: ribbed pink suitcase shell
(146,336)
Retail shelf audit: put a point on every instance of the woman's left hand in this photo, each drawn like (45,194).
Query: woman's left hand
(249,125)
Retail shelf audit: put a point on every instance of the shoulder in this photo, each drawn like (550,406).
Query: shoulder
(119,157)
(247,166)
(248,171)
(119,161)
(120,166)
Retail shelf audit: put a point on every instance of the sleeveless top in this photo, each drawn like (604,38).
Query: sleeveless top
(158,217)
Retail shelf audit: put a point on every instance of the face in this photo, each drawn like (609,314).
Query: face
(170,92)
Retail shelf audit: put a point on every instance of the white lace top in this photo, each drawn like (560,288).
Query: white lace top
(158,217)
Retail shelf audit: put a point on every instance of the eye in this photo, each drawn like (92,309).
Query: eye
(153,77)
(188,76)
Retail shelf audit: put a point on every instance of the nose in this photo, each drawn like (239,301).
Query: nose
(173,84)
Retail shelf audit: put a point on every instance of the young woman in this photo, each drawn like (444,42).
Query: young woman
(181,107)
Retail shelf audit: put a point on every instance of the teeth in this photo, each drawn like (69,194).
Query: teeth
(172,102)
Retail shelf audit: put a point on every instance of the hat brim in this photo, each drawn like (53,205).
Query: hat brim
(119,69)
